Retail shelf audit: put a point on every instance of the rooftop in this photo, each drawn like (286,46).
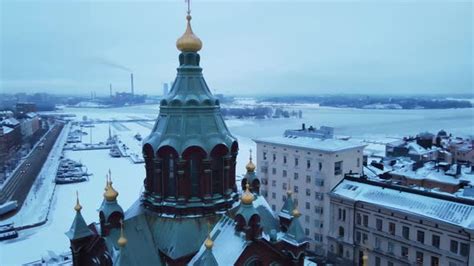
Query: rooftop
(328,145)
(442,210)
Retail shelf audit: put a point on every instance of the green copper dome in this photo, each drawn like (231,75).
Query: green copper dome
(190,114)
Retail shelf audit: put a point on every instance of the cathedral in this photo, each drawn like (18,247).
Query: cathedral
(190,212)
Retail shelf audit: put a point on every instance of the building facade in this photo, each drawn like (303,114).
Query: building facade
(309,167)
(394,225)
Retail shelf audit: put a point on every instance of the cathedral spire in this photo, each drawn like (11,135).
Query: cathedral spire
(79,227)
(189,42)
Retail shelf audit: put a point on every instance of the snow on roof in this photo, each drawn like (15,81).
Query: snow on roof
(443,210)
(429,171)
(10,122)
(228,245)
(329,145)
(6,129)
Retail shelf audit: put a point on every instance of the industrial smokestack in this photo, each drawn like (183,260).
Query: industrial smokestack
(110,90)
(131,82)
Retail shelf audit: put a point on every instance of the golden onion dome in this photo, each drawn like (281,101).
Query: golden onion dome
(247,197)
(78,206)
(122,241)
(296,213)
(208,243)
(110,193)
(189,42)
(250,166)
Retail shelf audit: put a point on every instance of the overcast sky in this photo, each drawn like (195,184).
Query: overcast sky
(249,47)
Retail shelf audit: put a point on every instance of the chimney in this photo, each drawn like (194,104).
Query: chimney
(303,126)
(110,87)
(131,83)
(458,169)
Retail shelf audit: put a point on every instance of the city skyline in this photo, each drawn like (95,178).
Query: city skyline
(267,47)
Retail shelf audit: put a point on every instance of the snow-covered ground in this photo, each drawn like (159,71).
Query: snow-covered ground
(374,126)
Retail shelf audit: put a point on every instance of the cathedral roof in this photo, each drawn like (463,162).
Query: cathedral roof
(288,206)
(79,227)
(295,234)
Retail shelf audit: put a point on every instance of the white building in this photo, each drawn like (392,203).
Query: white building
(395,225)
(310,167)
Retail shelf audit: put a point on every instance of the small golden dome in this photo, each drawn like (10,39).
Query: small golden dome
(189,42)
(110,193)
(296,213)
(208,243)
(250,166)
(247,197)
(78,206)
(122,241)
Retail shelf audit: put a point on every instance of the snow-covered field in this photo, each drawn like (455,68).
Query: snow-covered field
(377,126)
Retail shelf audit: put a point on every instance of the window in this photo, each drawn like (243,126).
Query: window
(358,237)
(343,215)
(378,224)
(339,214)
(318,223)
(340,249)
(366,220)
(464,249)
(338,168)
(377,261)
(274,171)
(283,198)
(264,169)
(296,162)
(419,258)
(264,155)
(194,171)
(404,252)
(296,189)
(308,164)
(307,205)
(435,241)
(318,237)
(341,231)
(453,246)
(306,218)
(295,176)
(406,232)
(420,236)
(391,228)
(318,195)
(274,183)
(377,243)
(306,231)
(308,179)
(358,162)
(273,207)
(284,159)
(284,186)
(319,182)
(365,238)
(434,261)
(308,192)
(273,195)
(318,210)
(320,166)
(358,219)
(274,157)
(284,173)
(390,247)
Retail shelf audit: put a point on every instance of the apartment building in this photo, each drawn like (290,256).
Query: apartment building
(310,167)
(394,225)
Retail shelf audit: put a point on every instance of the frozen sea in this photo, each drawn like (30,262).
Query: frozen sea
(128,177)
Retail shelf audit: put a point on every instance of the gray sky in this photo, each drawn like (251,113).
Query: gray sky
(249,47)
